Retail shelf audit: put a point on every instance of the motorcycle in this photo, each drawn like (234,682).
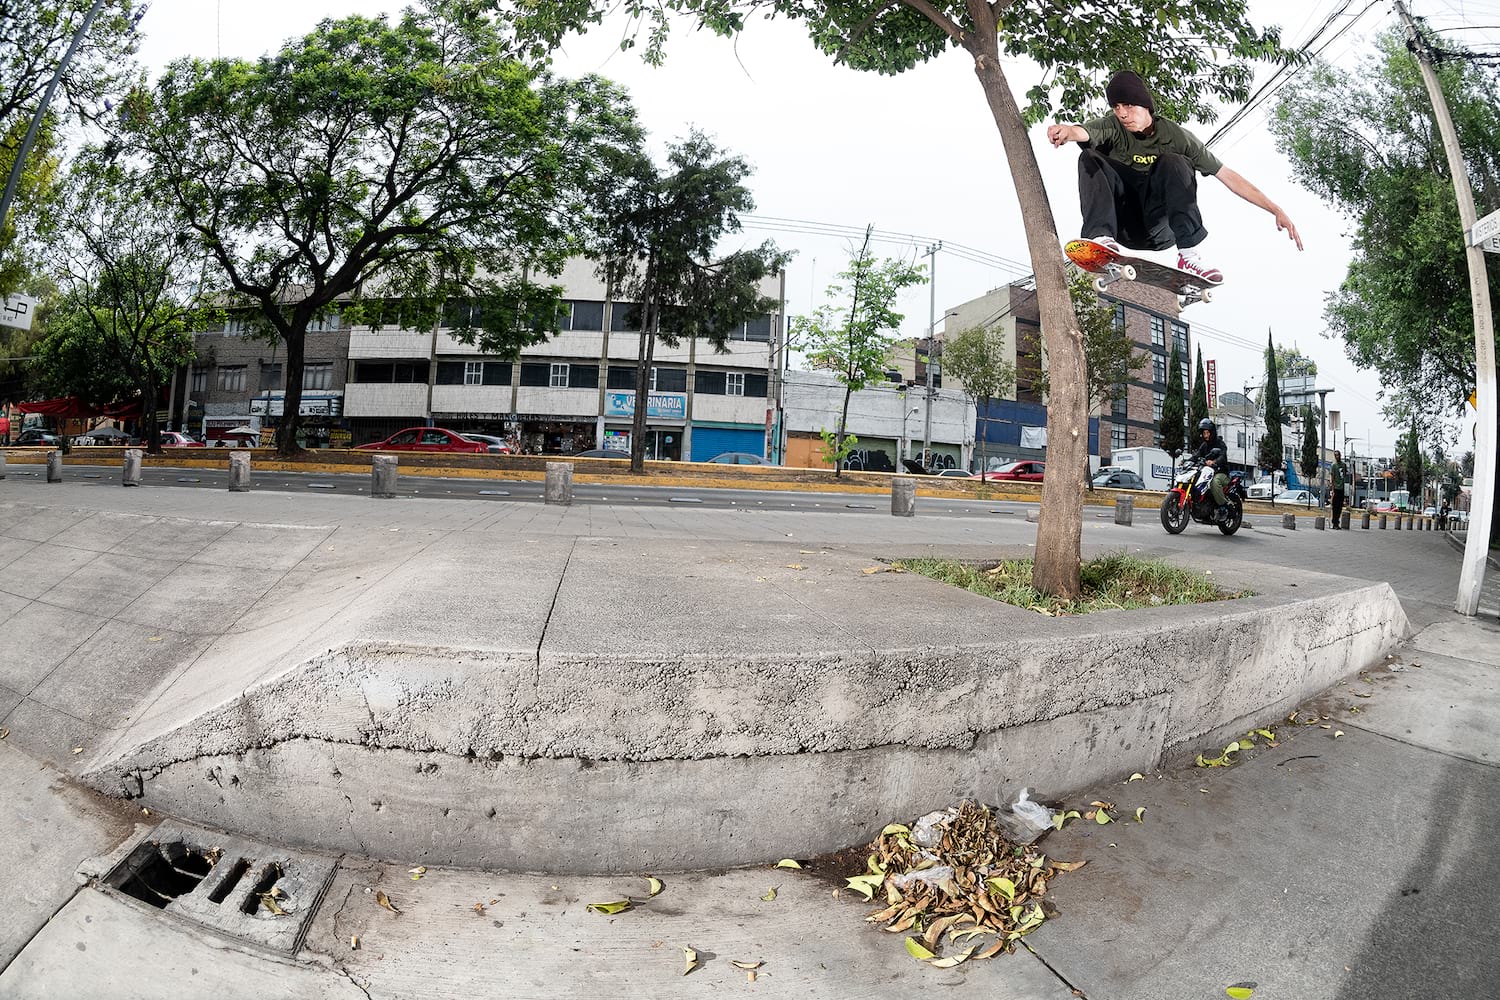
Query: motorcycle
(1190,499)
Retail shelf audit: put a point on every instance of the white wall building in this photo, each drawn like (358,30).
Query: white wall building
(889,420)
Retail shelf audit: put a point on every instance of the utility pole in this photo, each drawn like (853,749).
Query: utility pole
(1322,446)
(931,329)
(1477,544)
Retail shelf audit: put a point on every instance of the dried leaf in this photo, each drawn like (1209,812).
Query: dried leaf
(422,870)
(153,638)
(865,885)
(689,960)
(610,908)
(1069,866)
(354,942)
(905,924)
(4,732)
(479,908)
(938,928)
(1267,733)
(992,950)
(1337,733)
(791,566)
(654,886)
(788,863)
(870,569)
(268,900)
(80,749)
(385,901)
(1138,776)
(1004,886)
(750,976)
(894,828)
(746,965)
(1139,812)
(917,950)
(952,960)
(770,895)
(1239,992)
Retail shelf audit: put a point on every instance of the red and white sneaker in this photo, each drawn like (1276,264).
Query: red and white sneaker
(1194,265)
(1109,242)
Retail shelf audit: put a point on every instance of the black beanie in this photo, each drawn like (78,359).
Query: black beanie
(1127,88)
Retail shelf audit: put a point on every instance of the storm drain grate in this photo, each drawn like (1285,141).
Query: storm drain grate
(242,888)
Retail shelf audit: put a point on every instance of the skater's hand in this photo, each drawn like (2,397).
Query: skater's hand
(1284,222)
(1059,134)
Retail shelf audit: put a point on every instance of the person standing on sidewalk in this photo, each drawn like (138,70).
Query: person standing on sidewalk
(1340,473)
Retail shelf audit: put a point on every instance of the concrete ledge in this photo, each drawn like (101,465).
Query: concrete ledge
(674,747)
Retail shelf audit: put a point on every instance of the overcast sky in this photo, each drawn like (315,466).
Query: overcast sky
(918,157)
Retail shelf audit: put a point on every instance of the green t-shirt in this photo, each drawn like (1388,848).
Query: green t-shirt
(1109,137)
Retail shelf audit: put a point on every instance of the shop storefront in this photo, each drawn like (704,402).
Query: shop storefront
(549,434)
(666,419)
(321,413)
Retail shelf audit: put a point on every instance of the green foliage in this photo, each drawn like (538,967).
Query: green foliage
(1111,583)
(659,229)
(1198,402)
(1310,459)
(416,159)
(1292,363)
(1409,462)
(71,358)
(976,358)
(1170,431)
(1110,359)
(26,229)
(852,337)
(1270,453)
(836,451)
(1365,140)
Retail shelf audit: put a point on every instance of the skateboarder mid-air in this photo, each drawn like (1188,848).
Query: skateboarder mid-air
(1136,182)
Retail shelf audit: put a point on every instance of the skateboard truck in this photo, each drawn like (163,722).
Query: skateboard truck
(1113,272)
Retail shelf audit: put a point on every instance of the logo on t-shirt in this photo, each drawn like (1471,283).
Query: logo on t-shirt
(1143,159)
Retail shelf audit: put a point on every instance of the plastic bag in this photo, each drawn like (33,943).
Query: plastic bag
(1028,820)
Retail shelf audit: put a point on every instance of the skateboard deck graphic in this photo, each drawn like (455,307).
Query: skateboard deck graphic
(1111,267)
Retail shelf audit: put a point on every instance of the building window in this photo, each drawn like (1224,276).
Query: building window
(200,380)
(326,323)
(559,375)
(1120,403)
(757,330)
(1116,436)
(651,387)
(318,376)
(1187,378)
(625,317)
(473,373)
(270,377)
(1119,317)
(583,315)
(1158,332)
(1180,338)
(734,384)
(1157,399)
(1239,439)
(1158,369)
(232,378)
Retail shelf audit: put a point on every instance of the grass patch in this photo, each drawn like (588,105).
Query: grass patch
(1111,583)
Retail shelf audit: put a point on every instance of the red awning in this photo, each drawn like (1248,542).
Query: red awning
(72,406)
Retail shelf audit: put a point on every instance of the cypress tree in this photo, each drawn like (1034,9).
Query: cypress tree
(1270,453)
(1198,403)
(1169,429)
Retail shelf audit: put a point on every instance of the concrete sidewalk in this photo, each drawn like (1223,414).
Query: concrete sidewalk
(1365,851)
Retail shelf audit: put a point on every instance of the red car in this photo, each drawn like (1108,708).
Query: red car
(427,439)
(1030,472)
(177,439)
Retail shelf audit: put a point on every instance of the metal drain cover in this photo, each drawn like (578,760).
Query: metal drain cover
(245,889)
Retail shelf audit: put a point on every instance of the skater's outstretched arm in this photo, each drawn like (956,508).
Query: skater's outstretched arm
(1237,183)
(1059,134)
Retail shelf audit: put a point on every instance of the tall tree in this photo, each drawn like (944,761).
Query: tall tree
(659,232)
(418,160)
(852,336)
(1311,458)
(977,360)
(1198,55)
(1169,429)
(37,34)
(1409,457)
(1292,363)
(129,275)
(1270,454)
(1198,402)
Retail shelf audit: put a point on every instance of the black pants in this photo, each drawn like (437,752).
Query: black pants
(1337,500)
(1142,209)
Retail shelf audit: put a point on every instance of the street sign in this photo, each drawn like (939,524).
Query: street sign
(1484,229)
(16,311)
(1491,245)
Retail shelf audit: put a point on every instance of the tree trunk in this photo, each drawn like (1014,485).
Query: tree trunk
(291,400)
(1060,527)
(838,439)
(644,354)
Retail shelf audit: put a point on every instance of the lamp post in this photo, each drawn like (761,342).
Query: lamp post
(1322,446)
(931,328)
(1353,463)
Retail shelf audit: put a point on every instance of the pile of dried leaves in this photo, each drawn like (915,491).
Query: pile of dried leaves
(957,875)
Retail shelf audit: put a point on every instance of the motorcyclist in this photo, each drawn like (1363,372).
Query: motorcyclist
(1213,451)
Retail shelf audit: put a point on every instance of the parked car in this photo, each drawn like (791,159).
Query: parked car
(177,439)
(37,436)
(1302,498)
(1429,512)
(600,453)
(956,474)
(494,445)
(738,458)
(1382,506)
(1030,472)
(427,439)
(1121,479)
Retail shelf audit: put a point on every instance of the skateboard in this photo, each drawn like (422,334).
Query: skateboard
(1111,267)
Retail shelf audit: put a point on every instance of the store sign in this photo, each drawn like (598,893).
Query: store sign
(310,406)
(17,310)
(1212,374)
(659,405)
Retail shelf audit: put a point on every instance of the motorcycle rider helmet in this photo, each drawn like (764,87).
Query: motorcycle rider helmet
(1207,425)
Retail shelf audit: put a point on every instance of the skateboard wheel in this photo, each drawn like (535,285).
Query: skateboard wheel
(1208,295)
(1128,270)
(1100,284)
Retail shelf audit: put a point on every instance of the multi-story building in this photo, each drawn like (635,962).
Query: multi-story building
(572,393)
(889,420)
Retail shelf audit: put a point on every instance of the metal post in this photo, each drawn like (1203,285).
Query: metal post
(41,112)
(931,329)
(1476,545)
(1322,446)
